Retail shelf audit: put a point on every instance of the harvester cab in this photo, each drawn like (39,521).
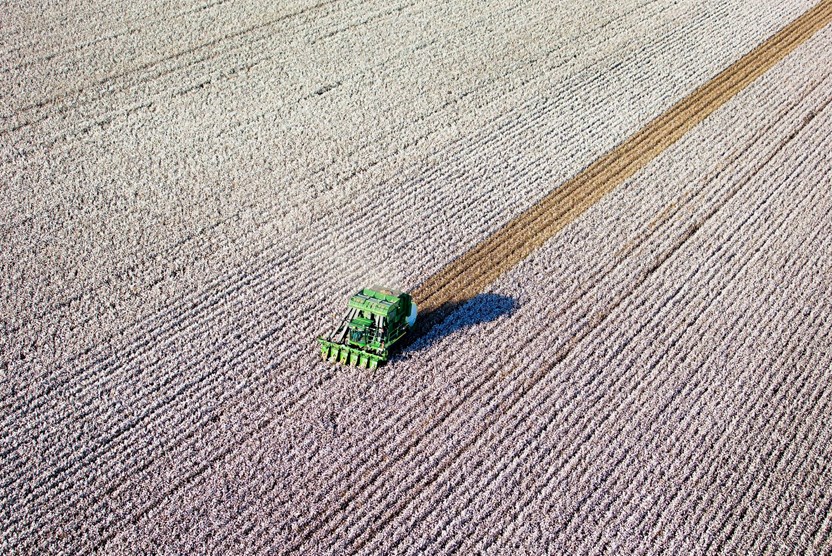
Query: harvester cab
(376,318)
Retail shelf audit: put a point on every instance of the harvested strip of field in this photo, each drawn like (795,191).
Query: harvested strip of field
(183,214)
(471,273)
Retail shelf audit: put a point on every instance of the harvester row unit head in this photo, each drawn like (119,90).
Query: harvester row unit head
(376,318)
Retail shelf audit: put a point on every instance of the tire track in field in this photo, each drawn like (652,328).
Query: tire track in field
(63,304)
(214,50)
(567,443)
(746,498)
(672,125)
(472,272)
(87,350)
(452,409)
(680,133)
(423,518)
(658,518)
(760,71)
(597,490)
(597,278)
(377,524)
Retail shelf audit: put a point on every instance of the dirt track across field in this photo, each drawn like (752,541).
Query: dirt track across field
(472,272)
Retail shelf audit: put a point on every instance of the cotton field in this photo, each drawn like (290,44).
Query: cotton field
(614,217)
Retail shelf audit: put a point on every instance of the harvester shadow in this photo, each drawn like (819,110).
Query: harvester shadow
(432,326)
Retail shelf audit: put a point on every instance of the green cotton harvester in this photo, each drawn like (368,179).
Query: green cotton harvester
(376,319)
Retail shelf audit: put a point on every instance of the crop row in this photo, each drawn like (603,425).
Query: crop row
(415,476)
(156,330)
(254,128)
(347,461)
(197,382)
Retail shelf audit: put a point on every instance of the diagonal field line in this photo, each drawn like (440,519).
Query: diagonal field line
(476,269)
(538,224)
